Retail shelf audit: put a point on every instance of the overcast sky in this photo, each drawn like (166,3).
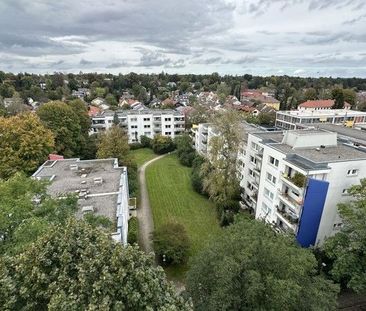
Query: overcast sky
(263,37)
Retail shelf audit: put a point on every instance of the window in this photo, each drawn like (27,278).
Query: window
(265,208)
(254,146)
(146,126)
(268,194)
(250,186)
(353,172)
(251,173)
(168,133)
(109,121)
(168,119)
(273,161)
(253,160)
(168,126)
(147,133)
(271,178)
(134,126)
(133,119)
(146,119)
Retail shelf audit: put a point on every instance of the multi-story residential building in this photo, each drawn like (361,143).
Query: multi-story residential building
(101,186)
(148,122)
(295,179)
(303,117)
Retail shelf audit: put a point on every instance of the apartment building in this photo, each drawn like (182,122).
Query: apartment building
(304,116)
(148,122)
(101,186)
(294,180)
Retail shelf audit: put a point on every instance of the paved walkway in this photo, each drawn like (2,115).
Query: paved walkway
(144,215)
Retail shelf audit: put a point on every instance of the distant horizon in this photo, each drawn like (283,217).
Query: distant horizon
(304,38)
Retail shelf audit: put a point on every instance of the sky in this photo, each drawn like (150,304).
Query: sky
(260,37)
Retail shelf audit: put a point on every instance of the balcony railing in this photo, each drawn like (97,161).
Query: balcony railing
(290,201)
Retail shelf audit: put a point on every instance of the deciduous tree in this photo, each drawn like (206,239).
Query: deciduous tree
(348,247)
(78,267)
(250,267)
(24,144)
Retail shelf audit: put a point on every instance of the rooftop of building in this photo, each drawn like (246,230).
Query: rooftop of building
(322,113)
(140,112)
(356,135)
(321,147)
(95,182)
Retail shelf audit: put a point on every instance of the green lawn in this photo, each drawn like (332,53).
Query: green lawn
(172,198)
(142,155)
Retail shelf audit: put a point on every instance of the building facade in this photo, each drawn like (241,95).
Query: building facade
(148,122)
(302,118)
(100,185)
(294,180)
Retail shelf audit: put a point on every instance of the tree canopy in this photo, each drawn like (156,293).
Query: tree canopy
(24,144)
(347,248)
(250,267)
(78,267)
(65,125)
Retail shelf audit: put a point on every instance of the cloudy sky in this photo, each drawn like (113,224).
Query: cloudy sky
(264,37)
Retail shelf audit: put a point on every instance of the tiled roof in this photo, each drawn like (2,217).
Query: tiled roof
(324,103)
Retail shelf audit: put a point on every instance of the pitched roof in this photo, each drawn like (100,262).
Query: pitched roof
(323,103)
(93,111)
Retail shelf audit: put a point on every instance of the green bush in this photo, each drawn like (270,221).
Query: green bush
(299,180)
(145,141)
(133,230)
(171,244)
(185,150)
(196,178)
(134,146)
(162,144)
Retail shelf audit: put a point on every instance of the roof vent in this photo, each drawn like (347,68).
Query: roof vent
(87,209)
(73,167)
(322,146)
(317,149)
(98,180)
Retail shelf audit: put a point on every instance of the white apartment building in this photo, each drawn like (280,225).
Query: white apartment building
(148,122)
(101,186)
(301,118)
(295,179)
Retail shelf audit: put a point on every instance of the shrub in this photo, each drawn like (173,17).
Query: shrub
(299,180)
(145,141)
(171,244)
(133,184)
(196,178)
(162,144)
(134,146)
(185,151)
(133,230)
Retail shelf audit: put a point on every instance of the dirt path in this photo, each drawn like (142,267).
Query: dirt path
(144,215)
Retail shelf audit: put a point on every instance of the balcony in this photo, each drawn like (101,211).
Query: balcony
(290,201)
(157,121)
(98,125)
(297,181)
(289,215)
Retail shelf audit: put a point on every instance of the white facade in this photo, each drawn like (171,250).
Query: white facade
(146,122)
(298,119)
(271,161)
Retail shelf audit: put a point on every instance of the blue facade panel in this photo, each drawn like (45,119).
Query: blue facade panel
(312,210)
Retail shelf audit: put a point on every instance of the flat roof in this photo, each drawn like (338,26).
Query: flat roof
(322,113)
(139,112)
(311,158)
(65,180)
(353,134)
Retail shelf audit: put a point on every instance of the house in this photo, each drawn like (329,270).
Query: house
(294,180)
(93,111)
(81,93)
(260,97)
(321,104)
(147,122)
(100,103)
(100,185)
(155,103)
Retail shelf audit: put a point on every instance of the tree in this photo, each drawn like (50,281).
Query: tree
(347,248)
(250,267)
(78,267)
(220,171)
(338,96)
(223,91)
(185,150)
(24,144)
(171,243)
(145,141)
(162,144)
(111,100)
(349,96)
(267,118)
(65,125)
(114,144)
(196,177)
(27,211)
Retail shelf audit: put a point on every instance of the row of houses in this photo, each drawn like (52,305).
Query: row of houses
(294,179)
(146,122)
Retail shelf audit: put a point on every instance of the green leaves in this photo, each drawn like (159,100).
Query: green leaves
(251,268)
